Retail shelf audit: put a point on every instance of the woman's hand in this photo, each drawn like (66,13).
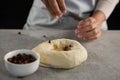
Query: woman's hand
(90,28)
(55,7)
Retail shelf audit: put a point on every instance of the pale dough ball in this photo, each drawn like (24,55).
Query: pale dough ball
(61,53)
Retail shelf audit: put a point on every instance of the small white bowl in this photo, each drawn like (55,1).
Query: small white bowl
(20,70)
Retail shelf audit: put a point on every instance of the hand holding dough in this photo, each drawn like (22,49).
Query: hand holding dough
(61,53)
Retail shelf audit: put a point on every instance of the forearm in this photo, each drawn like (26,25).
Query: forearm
(106,6)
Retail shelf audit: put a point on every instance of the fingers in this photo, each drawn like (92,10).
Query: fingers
(86,26)
(62,6)
(88,29)
(90,35)
(93,37)
(55,7)
(49,8)
(93,34)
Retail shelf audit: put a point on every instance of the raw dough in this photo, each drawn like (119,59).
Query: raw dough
(61,53)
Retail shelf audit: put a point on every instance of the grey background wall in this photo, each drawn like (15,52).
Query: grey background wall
(13,14)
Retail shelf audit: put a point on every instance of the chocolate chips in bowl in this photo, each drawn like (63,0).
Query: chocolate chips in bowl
(22,58)
(22,62)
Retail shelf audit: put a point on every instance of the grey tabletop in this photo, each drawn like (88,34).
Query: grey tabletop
(103,61)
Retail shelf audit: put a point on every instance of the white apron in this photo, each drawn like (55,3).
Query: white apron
(76,10)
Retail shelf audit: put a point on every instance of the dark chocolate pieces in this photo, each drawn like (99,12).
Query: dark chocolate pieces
(22,58)
(19,33)
(49,41)
(67,48)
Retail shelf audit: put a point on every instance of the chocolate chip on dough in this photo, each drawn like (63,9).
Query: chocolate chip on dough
(49,41)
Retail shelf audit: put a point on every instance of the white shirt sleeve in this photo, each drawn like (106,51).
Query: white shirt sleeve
(106,6)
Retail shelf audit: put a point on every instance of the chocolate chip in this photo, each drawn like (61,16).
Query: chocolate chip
(9,59)
(22,58)
(44,36)
(66,48)
(19,33)
(70,46)
(49,41)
